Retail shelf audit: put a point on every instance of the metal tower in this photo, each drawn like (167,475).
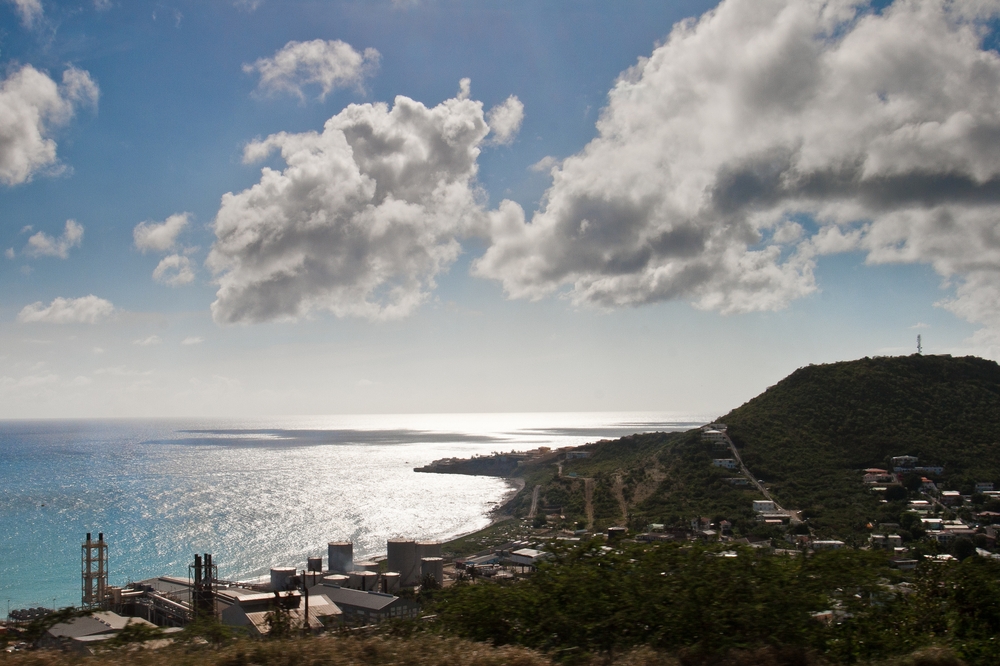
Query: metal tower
(920,347)
(203,575)
(94,566)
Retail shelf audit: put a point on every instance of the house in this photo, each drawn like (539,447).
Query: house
(527,557)
(874,475)
(364,608)
(829,544)
(984,486)
(926,485)
(903,463)
(726,463)
(951,497)
(570,455)
(886,542)
(764,506)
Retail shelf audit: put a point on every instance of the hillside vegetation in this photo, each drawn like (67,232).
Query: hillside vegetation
(810,434)
(807,437)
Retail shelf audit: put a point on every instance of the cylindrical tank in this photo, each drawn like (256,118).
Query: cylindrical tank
(338,579)
(390,582)
(281,577)
(369,580)
(341,554)
(366,566)
(402,557)
(315,564)
(432,566)
(355,580)
(428,549)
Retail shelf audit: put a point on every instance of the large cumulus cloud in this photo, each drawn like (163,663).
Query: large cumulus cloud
(766,133)
(32,105)
(362,218)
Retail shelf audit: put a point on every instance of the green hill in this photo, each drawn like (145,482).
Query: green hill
(810,434)
(807,437)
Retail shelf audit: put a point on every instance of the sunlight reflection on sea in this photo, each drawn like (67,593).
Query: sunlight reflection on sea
(254,492)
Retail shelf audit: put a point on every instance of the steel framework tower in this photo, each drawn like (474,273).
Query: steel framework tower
(94,566)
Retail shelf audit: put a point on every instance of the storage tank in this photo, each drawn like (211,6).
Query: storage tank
(390,582)
(428,549)
(341,555)
(366,566)
(432,566)
(281,578)
(402,557)
(315,564)
(369,581)
(338,579)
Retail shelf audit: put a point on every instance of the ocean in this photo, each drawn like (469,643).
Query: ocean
(255,493)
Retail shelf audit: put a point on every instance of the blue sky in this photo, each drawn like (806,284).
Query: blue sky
(514,206)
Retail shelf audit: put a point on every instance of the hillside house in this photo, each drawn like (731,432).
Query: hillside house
(903,463)
(876,476)
(984,486)
(951,497)
(726,463)
(764,506)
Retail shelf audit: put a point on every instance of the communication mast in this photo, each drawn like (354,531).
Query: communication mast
(94,568)
(920,347)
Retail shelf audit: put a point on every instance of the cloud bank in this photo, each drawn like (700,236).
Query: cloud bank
(85,310)
(361,220)
(32,105)
(766,133)
(44,245)
(327,64)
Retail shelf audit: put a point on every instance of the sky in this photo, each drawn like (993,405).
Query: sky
(253,207)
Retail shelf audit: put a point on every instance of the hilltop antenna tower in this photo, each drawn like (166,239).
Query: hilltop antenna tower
(920,347)
(94,570)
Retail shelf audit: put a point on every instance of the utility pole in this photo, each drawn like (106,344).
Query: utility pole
(920,347)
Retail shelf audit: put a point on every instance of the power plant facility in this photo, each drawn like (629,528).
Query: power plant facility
(315,598)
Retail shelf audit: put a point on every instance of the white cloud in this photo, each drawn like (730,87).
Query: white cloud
(30,11)
(545,164)
(192,340)
(882,127)
(9,252)
(505,120)
(102,5)
(31,106)
(160,236)
(84,310)
(920,324)
(360,221)
(43,245)
(174,270)
(248,6)
(148,342)
(327,64)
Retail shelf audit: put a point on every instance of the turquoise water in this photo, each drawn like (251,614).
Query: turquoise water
(255,493)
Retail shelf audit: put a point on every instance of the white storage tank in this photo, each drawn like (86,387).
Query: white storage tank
(338,579)
(341,555)
(315,564)
(434,567)
(366,566)
(281,578)
(369,581)
(390,582)
(428,549)
(402,557)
